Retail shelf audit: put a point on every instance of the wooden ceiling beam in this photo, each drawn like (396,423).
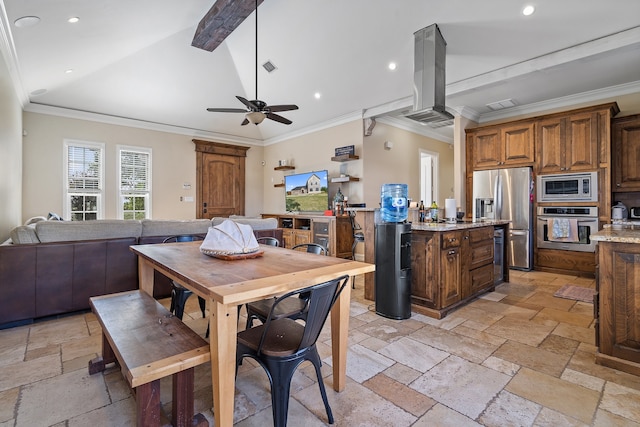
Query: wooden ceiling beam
(223,17)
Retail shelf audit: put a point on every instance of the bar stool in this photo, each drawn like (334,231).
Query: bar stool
(358,237)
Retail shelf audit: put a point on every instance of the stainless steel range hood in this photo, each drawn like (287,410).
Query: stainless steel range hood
(429,78)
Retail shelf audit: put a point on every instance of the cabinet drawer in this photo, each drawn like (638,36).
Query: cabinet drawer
(481,255)
(480,234)
(481,278)
(451,239)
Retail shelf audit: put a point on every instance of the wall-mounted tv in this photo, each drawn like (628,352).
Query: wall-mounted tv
(307,192)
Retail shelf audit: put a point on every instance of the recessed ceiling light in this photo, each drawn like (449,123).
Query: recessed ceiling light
(528,10)
(317,95)
(392,66)
(73,20)
(26,21)
(69,71)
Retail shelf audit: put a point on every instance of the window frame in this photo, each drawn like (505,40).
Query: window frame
(121,194)
(68,192)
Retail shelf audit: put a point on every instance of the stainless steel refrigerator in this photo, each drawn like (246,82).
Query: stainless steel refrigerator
(506,194)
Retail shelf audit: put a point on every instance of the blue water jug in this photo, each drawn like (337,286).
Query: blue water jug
(394,202)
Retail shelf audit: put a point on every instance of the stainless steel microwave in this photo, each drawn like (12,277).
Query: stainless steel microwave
(568,187)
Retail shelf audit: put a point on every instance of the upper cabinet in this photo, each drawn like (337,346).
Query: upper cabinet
(567,144)
(502,146)
(625,134)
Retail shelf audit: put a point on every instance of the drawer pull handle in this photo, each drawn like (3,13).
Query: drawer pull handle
(452,240)
(452,252)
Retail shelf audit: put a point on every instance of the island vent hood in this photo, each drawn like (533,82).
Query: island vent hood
(430,51)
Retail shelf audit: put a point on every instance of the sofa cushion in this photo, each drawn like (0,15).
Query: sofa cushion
(24,234)
(66,231)
(160,227)
(255,223)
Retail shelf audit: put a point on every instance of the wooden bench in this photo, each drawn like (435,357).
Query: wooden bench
(149,343)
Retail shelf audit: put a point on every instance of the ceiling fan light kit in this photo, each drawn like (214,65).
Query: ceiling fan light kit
(258,110)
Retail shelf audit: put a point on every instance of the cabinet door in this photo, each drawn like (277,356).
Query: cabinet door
(302,236)
(288,238)
(451,276)
(626,153)
(517,145)
(550,134)
(486,148)
(424,281)
(581,144)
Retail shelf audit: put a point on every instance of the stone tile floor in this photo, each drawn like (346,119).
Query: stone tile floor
(515,357)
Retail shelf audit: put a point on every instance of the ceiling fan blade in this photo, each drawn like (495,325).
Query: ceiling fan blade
(278,118)
(249,104)
(288,107)
(244,122)
(226,110)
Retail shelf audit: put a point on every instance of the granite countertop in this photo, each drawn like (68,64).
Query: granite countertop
(443,226)
(619,233)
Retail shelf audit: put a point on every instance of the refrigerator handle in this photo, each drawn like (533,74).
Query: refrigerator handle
(497,191)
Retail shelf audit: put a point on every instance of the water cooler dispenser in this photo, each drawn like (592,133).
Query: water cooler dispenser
(393,254)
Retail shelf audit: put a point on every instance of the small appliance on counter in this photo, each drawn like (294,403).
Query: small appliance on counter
(619,211)
(634,212)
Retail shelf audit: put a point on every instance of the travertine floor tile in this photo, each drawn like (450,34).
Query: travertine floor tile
(583,334)
(121,413)
(414,354)
(545,299)
(565,397)
(8,401)
(550,418)
(562,316)
(402,373)
(621,401)
(509,409)
(559,345)
(13,345)
(363,363)
(520,330)
(57,331)
(399,394)
(468,348)
(533,358)
(607,419)
(18,374)
(442,416)
(461,385)
(584,380)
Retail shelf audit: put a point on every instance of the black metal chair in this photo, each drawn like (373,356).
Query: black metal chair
(281,344)
(180,294)
(271,241)
(293,308)
(358,237)
(313,248)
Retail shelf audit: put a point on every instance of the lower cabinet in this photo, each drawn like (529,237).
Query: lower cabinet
(449,268)
(617,308)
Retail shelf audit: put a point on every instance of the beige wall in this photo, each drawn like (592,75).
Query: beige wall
(10,153)
(173,164)
(313,152)
(401,164)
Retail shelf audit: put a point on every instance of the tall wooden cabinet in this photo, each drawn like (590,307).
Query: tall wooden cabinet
(618,306)
(625,133)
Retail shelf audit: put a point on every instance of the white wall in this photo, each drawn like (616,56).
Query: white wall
(401,164)
(10,154)
(173,158)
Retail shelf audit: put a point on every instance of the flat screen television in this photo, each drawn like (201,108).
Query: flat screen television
(307,192)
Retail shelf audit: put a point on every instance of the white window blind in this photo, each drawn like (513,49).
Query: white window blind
(135,183)
(84,180)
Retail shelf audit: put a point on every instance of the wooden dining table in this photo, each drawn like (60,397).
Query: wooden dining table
(226,284)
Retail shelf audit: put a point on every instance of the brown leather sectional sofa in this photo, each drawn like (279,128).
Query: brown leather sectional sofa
(53,267)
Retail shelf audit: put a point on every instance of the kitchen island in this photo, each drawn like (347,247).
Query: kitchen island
(453,263)
(617,301)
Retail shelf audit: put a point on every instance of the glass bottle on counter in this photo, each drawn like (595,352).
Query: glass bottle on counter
(434,211)
(421,212)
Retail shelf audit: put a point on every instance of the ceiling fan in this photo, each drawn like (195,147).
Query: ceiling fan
(258,110)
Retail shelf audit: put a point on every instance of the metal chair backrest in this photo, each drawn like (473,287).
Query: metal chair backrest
(271,241)
(183,238)
(313,248)
(321,300)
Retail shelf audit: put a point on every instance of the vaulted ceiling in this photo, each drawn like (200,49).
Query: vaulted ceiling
(134,60)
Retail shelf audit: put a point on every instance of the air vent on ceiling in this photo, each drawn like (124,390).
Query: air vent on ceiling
(501,105)
(269,66)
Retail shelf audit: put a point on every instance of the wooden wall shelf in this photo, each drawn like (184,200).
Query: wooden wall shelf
(279,185)
(345,179)
(284,168)
(345,158)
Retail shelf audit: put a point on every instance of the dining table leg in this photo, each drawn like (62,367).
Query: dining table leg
(223,325)
(145,275)
(339,335)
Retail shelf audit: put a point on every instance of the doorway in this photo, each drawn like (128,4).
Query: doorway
(428,176)
(220,176)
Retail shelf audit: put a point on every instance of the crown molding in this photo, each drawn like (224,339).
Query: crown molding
(340,120)
(8,51)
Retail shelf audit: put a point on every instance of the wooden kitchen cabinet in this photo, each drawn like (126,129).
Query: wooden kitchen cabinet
(567,144)
(449,268)
(618,306)
(625,134)
(501,146)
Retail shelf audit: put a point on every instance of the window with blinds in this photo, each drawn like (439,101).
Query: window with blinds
(84,180)
(134,180)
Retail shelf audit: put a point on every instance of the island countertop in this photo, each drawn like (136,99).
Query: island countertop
(465,225)
(618,234)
